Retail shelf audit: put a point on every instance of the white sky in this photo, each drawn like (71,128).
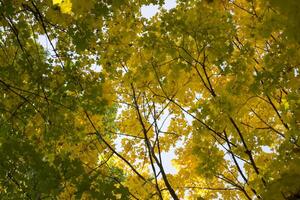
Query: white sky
(150,10)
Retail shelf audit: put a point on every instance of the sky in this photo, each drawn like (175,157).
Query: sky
(150,10)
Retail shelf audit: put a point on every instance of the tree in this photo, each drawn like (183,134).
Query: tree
(216,81)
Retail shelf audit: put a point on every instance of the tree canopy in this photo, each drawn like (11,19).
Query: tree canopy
(92,114)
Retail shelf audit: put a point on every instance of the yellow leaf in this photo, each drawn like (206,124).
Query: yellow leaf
(65,5)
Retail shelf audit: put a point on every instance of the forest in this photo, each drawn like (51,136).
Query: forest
(200,101)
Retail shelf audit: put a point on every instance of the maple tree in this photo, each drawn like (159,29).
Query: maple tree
(216,81)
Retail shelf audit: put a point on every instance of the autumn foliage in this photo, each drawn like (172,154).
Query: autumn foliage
(93,96)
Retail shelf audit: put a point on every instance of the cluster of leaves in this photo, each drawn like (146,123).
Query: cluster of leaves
(93,95)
